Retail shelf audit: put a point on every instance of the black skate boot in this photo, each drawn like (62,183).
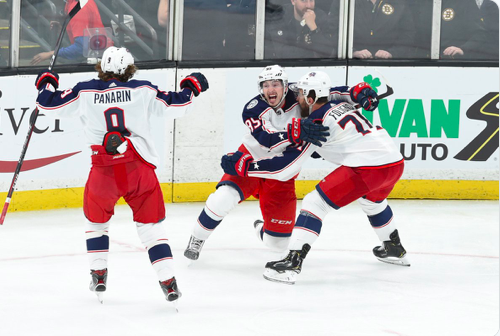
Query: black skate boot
(285,270)
(194,248)
(392,251)
(98,282)
(170,289)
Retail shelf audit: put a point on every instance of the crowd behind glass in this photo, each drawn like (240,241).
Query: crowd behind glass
(222,30)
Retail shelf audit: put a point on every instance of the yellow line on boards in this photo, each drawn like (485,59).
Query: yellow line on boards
(198,192)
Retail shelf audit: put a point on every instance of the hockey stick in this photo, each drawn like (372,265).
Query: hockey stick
(387,93)
(79,5)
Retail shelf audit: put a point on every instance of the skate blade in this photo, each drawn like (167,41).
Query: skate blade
(395,261)
(287,277)
(100,296)
(174,299)
(190,256)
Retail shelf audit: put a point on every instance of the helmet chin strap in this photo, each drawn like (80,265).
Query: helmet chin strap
(311,105)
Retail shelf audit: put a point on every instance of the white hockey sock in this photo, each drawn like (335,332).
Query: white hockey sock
(154,238)
(97,244)
(218,205)
(276,244)
(380,216)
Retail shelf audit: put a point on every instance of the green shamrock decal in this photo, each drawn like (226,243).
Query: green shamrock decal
(373,82)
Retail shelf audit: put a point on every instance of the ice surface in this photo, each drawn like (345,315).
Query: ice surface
(451,288)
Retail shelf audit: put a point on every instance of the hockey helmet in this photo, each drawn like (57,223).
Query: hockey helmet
(273,72)
(116,60)
(317,81)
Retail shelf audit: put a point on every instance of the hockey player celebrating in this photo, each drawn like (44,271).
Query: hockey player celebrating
(123,155)
(273,118)
(267,116)
(369,167)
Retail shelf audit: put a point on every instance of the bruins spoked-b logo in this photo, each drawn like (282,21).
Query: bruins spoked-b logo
(387,9)
(486,143)
(448,14)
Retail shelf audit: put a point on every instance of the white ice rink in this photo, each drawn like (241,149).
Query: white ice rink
(451,288)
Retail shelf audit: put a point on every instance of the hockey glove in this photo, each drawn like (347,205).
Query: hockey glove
(308,131)
(47,76)
(236,164)
(114,143)
(364,95)
(196,81)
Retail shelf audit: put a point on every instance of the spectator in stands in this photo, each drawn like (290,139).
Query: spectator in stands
(469,29)
(88,17)
(383,30)
(302,31)
(163,13)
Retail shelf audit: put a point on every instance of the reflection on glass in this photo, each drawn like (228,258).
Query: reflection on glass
(73,50)
(4,33)
(301,29)
(469,30)
(219,30)
(421,11)
(383,30)
(240,33)
(143,29)
(139,26)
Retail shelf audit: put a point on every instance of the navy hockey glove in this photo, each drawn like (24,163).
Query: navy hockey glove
(236,164)
(47,76)
(307,130)
(196,81)
(364,95)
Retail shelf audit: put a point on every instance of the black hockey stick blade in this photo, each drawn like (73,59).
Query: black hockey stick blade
(77,8)
(80,4)
(387,93)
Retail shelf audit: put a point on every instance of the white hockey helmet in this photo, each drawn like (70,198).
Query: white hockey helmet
(317,81)
(116,60)
(273,72)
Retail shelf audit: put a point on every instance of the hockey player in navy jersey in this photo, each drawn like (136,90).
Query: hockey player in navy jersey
(115,112)
(273,118)
(369,167)
(267,116)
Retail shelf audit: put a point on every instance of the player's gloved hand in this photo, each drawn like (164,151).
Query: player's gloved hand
(236,164)
(47,76)
(364,95)
(196,81)
(307,130)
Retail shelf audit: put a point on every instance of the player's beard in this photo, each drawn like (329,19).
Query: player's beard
(304,109)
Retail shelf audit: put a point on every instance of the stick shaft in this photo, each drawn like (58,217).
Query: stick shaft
(70,15)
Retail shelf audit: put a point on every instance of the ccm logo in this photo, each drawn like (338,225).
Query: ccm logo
(281,221)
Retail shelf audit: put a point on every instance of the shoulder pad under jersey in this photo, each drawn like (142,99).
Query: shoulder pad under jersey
(320,113)
(255,107)
(290,100)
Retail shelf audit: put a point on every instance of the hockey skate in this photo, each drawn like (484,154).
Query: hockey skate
(285,270)
(194,248)
(98,282)
(171,291)
(392,251)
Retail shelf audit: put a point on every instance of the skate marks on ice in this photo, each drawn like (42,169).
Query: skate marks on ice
(451,287)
